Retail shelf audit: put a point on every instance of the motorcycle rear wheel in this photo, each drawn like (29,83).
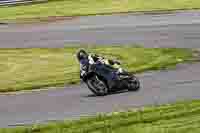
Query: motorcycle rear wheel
(134,84)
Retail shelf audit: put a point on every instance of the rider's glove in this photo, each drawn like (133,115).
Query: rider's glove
(82,73)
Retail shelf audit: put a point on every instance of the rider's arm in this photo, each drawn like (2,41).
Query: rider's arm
(83,68)
(113,62)
(95,57)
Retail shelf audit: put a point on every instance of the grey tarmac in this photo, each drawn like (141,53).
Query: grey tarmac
(167,30)
(180,29)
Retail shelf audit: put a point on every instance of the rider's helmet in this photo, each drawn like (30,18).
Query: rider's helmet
(82,54)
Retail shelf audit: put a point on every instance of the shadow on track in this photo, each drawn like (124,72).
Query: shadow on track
(111,93)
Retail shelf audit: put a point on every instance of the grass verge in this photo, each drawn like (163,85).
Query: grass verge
(27,69)
(171,118)
(91,7)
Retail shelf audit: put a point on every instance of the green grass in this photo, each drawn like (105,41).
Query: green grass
(88,7)
(171,118)
(27,69)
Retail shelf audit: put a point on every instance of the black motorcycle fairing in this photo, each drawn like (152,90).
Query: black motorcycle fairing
(104,72)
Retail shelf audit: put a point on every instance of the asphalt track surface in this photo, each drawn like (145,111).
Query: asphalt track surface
(166,30)
(169,30)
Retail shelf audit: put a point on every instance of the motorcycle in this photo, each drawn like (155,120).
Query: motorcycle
(102,79)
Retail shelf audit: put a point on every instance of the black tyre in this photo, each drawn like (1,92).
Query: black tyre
(134,84)
(97,86)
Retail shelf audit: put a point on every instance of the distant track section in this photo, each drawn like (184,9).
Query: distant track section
(16,2)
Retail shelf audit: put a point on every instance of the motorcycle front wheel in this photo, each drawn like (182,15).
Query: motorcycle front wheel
(97,86)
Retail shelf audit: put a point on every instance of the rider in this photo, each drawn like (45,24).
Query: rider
(86,59)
